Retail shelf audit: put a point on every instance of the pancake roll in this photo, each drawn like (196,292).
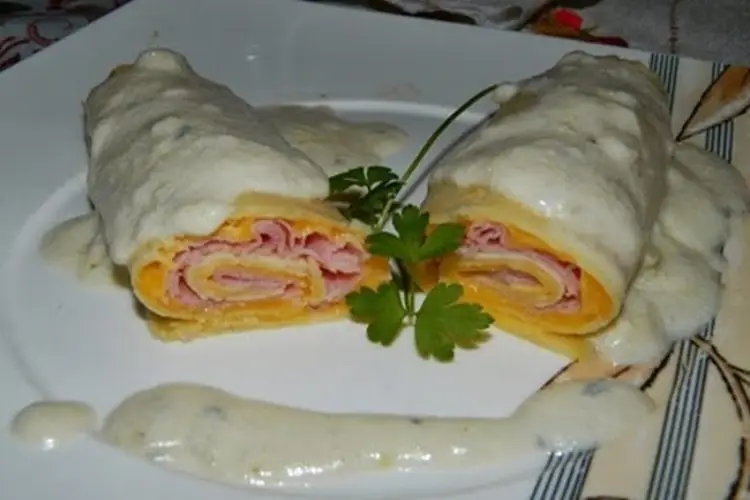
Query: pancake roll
(222,225)
(558,192)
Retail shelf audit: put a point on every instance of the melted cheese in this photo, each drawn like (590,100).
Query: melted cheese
(173,319)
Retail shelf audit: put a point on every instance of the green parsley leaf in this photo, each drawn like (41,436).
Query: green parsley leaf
(442,324)
(382,310)
(387,245)
(411,226)
(444,239)
(369,194)
(412,245)
(367,177)
(355,177)
(379,174)
(364,193)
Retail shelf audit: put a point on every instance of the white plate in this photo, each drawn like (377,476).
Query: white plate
(62,340)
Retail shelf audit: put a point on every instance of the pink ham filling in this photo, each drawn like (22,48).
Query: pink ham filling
(340,265)
(490,238)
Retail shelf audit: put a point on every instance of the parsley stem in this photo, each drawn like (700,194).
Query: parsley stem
(409,290)
(386,213)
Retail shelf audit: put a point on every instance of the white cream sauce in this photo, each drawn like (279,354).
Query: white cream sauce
(636,336)
(332,142)
(76,245)
(170,151)
(725,183)
(51,424)
(692,217)
(584,144)
(668,301)
(705,194)
(678,289)
(684,288)
(216,435)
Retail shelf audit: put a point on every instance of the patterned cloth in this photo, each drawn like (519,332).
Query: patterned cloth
(713,30)
(717,30)
(27,26)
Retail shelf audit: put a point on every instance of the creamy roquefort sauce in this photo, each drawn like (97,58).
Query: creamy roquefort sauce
(678,288)
(583,145)
(170,152)
(332,142)
(76,245)
(216,435)
(51,424)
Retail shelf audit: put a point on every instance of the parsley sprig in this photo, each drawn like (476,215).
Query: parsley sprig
(442,323)
(370,193)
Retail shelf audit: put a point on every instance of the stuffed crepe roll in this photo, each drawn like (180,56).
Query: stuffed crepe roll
(558,192)
(222,224)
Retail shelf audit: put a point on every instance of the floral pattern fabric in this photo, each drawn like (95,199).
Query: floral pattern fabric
(685,27)
(28,26)
(715,30)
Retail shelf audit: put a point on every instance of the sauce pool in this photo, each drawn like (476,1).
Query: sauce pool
(51,424)
(216,435)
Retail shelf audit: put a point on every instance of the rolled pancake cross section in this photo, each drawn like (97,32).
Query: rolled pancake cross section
(263,267)
(222,225)
(558,192)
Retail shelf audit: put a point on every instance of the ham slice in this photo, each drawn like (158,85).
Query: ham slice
(491,239)
(340,265)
